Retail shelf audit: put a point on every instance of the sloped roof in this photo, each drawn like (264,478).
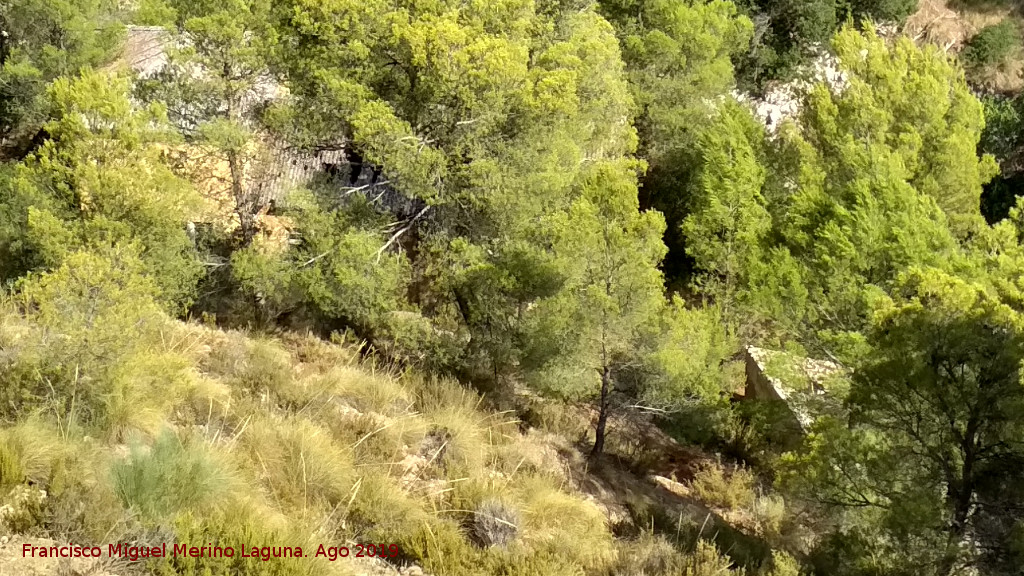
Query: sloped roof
(801,383)
(145,49)
(817,372)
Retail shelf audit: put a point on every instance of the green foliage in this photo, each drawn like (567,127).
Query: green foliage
(679,61)
(154,13)
(94,354)
(302,466)
(493,226)
(932,406)
(254,365)
(28,449)
(790,33)
(240,528)
(787,33)
(678,56)
(216,111)
(595,325)
(349,283)
(991,45)
(941,121)
(265,278)
(825,237)
(100,180)
(883,11)
(784,565)
(489,134)
(610,250)
(707,560)
(43,41)
(728,220)
(691,355)
(1003,124)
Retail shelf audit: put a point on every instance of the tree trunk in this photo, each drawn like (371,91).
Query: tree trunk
(243,205)
(952,554)
(602,418)
(960,495)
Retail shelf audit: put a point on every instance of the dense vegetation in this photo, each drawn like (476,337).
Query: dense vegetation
(519,224)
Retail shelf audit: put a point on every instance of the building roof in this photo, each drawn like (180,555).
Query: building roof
(145,49)
(803,384)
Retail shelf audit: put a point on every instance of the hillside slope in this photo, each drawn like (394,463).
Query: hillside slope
(228,439)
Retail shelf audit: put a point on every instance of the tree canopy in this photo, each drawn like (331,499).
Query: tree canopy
(608,216)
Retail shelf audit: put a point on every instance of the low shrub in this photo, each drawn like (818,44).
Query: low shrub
(716,487)
(370,390)
(648,555)
(21,509)
(556,417)
(130,405)
(495,524)
(652,555)
(237,528)
(440,547)
(784,565)
(82,504)
(769,513)
(11,472)
(256,366)
(560,523)
(378,510)
(991,45)
(460,436)
(95,350)
(706,560)
(27,452)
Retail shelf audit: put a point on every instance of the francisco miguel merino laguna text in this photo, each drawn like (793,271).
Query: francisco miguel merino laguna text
(265,553)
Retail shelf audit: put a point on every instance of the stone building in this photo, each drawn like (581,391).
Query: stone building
(803,385)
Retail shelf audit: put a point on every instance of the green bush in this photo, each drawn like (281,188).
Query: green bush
(82,504)
(171,477)
(256,366)
(769,512)
(21,510)
(883,10)
(648,555)
(92,348)
(707,560)
(784,565)
(11,472)
(991,45)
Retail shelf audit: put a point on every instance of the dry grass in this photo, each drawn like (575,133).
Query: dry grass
(950,24)
(292,439)
(722,488)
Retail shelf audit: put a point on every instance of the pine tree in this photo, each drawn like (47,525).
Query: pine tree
(583,338)
(100,180)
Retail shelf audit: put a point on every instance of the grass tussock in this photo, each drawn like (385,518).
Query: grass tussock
(172,476)
(297,461)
